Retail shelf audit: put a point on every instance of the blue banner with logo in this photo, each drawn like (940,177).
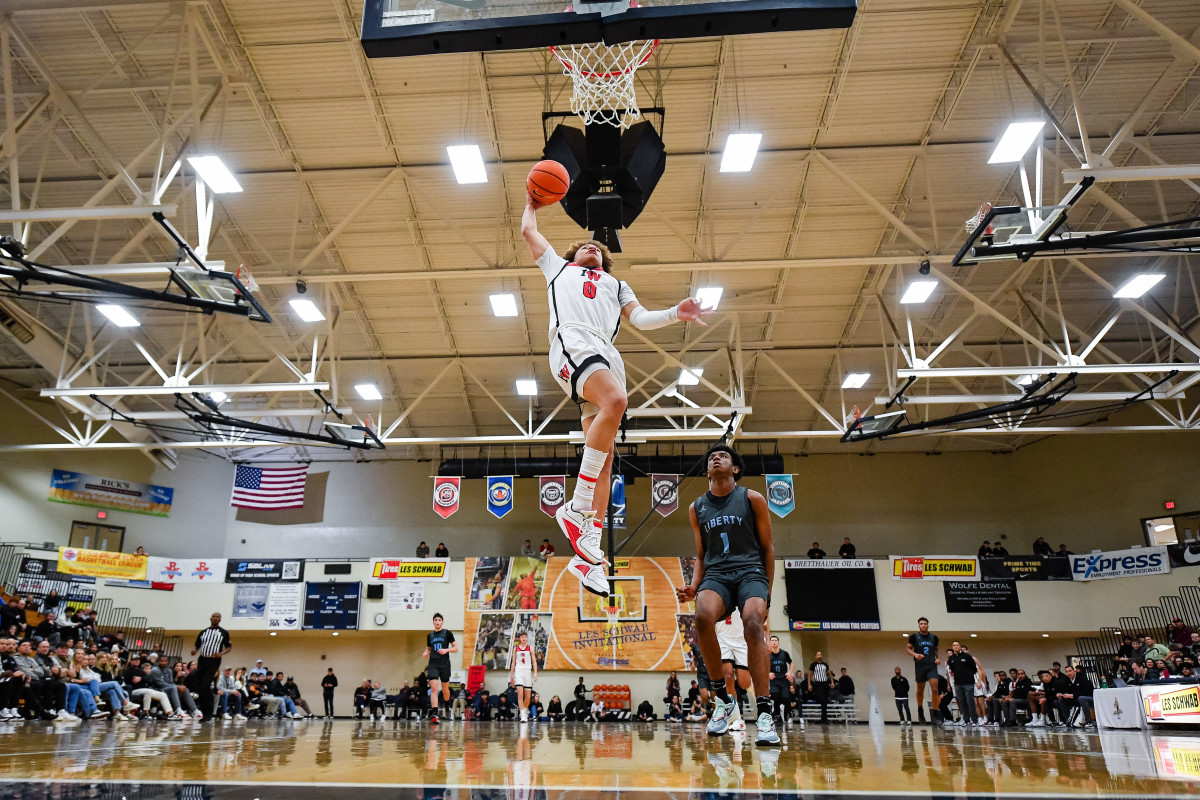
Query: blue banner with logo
(618,503)
(781,498)
(500,494)
(1120,564)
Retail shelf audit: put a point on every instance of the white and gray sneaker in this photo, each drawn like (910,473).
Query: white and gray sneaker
(736,722)
(766,731)
(593,576)
(722,715)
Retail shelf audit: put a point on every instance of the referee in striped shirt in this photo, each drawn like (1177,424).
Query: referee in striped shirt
(211,643)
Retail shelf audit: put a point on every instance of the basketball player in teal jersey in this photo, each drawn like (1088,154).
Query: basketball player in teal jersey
(735,569)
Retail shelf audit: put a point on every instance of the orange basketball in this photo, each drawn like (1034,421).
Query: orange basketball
(548,182)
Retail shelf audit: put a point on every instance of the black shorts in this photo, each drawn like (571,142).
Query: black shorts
(926,670)
(738,586)
(438,672)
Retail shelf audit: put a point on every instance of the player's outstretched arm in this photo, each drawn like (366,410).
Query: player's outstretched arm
(686,594)
(529,229)
(762,520)
(688,310)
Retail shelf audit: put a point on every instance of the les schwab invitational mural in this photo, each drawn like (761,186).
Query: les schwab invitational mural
(568,627)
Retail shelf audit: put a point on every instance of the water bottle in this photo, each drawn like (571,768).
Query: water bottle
(1103,682)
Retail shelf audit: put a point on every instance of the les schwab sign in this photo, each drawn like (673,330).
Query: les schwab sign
(935,568)
(1176,705)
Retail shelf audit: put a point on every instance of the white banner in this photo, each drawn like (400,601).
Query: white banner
(250,600)
(406,596)
(829,563)
(1120,564)
(284,606)
(185,570)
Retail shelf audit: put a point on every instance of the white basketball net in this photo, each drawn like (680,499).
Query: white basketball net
(602,76)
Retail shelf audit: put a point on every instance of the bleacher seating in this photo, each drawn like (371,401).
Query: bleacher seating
(836,712)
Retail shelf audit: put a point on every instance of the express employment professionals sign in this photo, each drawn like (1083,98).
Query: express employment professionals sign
(1120,564)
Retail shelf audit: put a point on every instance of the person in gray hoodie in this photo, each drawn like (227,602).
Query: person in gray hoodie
(228,695)
(50,693)
(162,680)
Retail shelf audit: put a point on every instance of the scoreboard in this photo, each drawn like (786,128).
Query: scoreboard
(331,606)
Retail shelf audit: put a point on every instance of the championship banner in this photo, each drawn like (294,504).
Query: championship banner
(445,496)
(781,498)
(935,568)
(101,563)
(1025,568)
(185,570)
(500,495)
(617,503)
(569,628)
(1120,564)
(80,489)
(664,493)
(552,493)
(410,569)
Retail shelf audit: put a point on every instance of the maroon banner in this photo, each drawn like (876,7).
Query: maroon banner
(552,493)
(664,493)
(445,496)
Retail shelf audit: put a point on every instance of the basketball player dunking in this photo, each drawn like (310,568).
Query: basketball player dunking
(523,673)
(586,307)
(735,569)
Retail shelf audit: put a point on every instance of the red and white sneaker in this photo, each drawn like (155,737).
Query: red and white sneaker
(592,576)
(580,529)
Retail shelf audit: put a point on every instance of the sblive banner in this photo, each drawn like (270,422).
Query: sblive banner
(410,569)
(1120,564)
(185,570)
(568,627)
(101,563)
(935,568)
(982,597)
(1026,568)
(264,570)
(81,489)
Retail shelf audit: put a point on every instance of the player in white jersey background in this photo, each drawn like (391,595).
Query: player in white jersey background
(587,305)
(735,669)
(522,673)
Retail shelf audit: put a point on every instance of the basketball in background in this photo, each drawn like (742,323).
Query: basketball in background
(548,182)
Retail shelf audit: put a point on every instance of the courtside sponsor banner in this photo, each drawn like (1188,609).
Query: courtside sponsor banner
(1177,756)
(81,489)
(264,570)
(445,496)
(552,493)
(935,568)
(410,569)
(829,563)
(664,493)
(185,570)
(781,496)
(499,495)
(101,563)
(1120,564)
(1175,704)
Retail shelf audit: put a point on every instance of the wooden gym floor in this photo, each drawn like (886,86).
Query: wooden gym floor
(365,760)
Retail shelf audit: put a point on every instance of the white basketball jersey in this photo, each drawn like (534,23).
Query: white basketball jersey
(582,297)
(523,657)
(730,629)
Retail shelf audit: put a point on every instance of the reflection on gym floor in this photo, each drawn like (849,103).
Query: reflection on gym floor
(334,759)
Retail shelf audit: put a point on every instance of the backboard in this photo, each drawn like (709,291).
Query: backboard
(421,27)
(220,289)
(1002,233)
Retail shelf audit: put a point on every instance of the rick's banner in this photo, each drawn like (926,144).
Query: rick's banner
(80,489)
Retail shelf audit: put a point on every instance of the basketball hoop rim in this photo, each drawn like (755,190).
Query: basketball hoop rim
(606,75)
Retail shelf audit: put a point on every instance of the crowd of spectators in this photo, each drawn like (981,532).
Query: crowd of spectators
(62,668)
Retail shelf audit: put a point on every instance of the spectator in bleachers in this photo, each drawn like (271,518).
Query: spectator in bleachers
(1075,704)
(229,696)
(546,551)
(845,686)
(161,679)
(536,708)
(674,711)
(459,706)
(378,700)
(994,702)
(847,550)
(1063,551)
(696,713)
(1019,689)
(362,697)
(985,550)
(672,687)
(422,550)
(257,669)
(504,709)
(1155,650)
(14,615)
(275,688)
(1182,634)
(815,551)
(483,705)
(442,551)
(87,677)
(1042,548)
(293,693)
(794,702)
(554,711)
(527,550)
(48,629)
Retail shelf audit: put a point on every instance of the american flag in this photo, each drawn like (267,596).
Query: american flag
(256,487)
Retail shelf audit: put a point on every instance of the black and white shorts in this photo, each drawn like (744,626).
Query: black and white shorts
(576,353)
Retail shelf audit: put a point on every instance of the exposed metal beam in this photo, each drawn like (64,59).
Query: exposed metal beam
(993,399)
(1043,369)
(227,388)
(1155,173)
(236,414)
(81,213)
(1178,43)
